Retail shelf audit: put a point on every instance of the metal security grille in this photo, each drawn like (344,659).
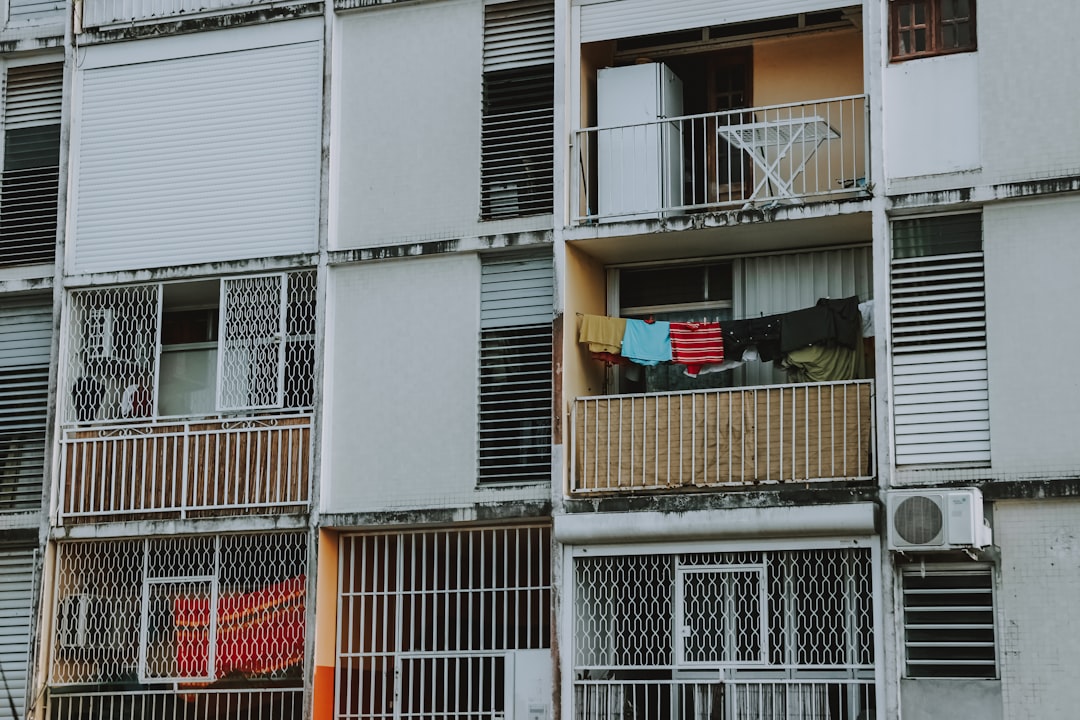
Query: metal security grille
(180,609)
(431,623)
(949,622)
(763,634)
(517,152)
(264,350)
(942,412)
(112,339)
(516,300)
(251,357)
(28,188)
(264,704)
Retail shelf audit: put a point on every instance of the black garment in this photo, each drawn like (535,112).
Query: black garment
(86,396)
(763,332)
(829,322)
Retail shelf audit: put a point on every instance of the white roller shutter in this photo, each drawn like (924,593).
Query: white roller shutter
(25,343)
(16,610)
(27,12)
(781,283)
(198,159)
(629,18)
(516,301)
(940,389)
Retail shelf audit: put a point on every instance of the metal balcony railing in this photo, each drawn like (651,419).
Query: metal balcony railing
(739,158)
(189,702)
(209,467)
(715,438)
(847,699)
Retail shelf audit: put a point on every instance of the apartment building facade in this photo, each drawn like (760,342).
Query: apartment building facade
(302,416)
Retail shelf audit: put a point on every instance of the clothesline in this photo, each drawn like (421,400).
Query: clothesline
(821,342)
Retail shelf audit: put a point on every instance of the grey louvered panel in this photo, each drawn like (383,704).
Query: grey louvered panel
(35,11)
(16,609)
(34,95)
(627,18)
(519,34)
(940,376)
(26,328)
(239,133)
(516,293)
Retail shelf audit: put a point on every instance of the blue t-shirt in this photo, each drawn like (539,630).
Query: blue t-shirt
(647,343)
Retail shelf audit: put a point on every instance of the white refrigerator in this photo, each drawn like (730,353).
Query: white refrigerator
(639,159)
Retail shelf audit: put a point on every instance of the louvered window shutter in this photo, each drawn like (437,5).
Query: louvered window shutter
(31,164)
(17,581)
(518,113)
(25,342)
(516,301)
(941,395)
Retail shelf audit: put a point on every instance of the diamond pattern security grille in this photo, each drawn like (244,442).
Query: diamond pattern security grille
(807,608)
(180,609)
(252,348)
(112,339)
(428,619)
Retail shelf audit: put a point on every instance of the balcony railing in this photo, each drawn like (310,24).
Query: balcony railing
(846,699)
(194,703)
(751,157)
(716,438)
(209,467)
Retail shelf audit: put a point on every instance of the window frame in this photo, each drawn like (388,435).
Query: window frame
(933,24)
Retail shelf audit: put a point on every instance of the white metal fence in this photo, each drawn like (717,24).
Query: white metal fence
(211,611)
(263,704)
(769,434)
(774,154)
(431,624)
(753,634)
(184,467)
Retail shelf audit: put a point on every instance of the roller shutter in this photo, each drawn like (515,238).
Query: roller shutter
(199,159)
(629,18)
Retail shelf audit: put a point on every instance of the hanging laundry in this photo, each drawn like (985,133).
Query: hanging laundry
(824,363)
(647,343)
(764,332)
(694,344)
(601,333)
(829,322)
(610,358)
(866,312)
(720,367)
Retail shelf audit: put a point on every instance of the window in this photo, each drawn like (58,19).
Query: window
(517,152)
(235,344)
(931,27)
(516,301)
(28,198)
(181,609)
(949,622)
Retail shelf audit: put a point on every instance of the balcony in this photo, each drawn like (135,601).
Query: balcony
(185,469)
(758,157)
(723,438)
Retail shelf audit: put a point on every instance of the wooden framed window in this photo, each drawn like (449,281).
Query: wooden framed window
(923,28)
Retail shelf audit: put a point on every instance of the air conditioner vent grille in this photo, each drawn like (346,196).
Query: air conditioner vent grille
(918,520)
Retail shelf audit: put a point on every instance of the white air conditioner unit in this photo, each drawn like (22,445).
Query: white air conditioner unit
(928,520)
(87,622)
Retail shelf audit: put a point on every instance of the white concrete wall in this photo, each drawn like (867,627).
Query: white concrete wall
(406,126)
(1039,616)
(402,384)
(1027,89)
(1031,298)
(931,121)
